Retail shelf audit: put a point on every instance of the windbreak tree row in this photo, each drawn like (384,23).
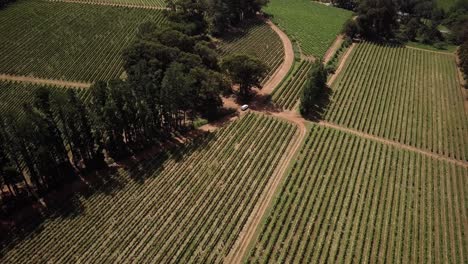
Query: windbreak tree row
(193,204)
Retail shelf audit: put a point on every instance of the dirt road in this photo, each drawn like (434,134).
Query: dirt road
(35,80)
(283,70)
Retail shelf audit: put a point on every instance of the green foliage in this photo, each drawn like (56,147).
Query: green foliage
(463,57)
(314,26)
(213,182)
(257,39)
(377,18)
(348,199)
(66,40)
(246,71)
(314,88)
(402,94)
(138,3)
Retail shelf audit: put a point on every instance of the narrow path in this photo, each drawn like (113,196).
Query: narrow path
(333,49)
(392,143)
(283,70)
(17,78)
(433,51)
(110,4)
(248,232)
(341,65)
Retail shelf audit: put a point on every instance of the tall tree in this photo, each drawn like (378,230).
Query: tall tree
(245,71)
(377,18)
(314,88)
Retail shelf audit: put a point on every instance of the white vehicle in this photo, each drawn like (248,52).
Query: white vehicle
(244,107)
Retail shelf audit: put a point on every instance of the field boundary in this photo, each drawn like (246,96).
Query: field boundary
(275,80)
(110,4)
(433,51)
(392,143)
(35,80)
(333,48)
(245,237)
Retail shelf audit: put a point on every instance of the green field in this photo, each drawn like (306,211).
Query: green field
(352,200)
(14,95)
(66,40)
(315,26)
(446,4)
(402,94)
(256,39)
(184,206)
(142,3)
(287,94)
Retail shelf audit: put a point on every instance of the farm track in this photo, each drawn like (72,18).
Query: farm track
(341,65)
(34,80)
(283,70)
(247,234)
(392,143)
(110,4)
(333,48)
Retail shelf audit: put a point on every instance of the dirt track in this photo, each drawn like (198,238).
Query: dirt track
(110,4)
(342,63)
(283,70)
(333,48)
(35,80)
(248,232)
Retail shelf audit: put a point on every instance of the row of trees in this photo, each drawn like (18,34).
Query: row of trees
(172,77)
(214,16)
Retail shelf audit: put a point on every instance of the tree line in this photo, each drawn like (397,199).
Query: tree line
(173,76)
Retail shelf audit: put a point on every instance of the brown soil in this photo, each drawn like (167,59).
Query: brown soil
(283,70)
(393,143)
(333,48)
(247,234)
(341,65)
(35,80)
(111,4)
(433,51)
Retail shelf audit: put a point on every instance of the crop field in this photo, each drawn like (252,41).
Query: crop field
(142,3)
(315,26)
(14,95)
(288,93)
(186,205)
(76,42)
(257,40)
(352,200)
(402,94)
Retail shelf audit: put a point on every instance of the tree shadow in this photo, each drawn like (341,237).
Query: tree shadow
(320,107)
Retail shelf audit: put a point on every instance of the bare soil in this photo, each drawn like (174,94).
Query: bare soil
(333,48)
(283,70)
(111,4)
(341,65)
(28,79)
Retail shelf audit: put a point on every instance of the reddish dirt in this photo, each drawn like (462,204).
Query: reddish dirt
(333,48)
(283,70)
(341,65)
(35,80)
(110,4)
(392,143)
(248,232)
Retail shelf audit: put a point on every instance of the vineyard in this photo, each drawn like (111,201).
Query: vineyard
(187,205)
(14,95)
(288,93)
(69,41)
(296,17)
(353,200)
(402,94)
(258,40)
(139,3)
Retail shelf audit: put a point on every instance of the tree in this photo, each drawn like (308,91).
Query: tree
(245,71)
(314,88)
(377,18)
(351,28)
(412,27)
(463,59)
